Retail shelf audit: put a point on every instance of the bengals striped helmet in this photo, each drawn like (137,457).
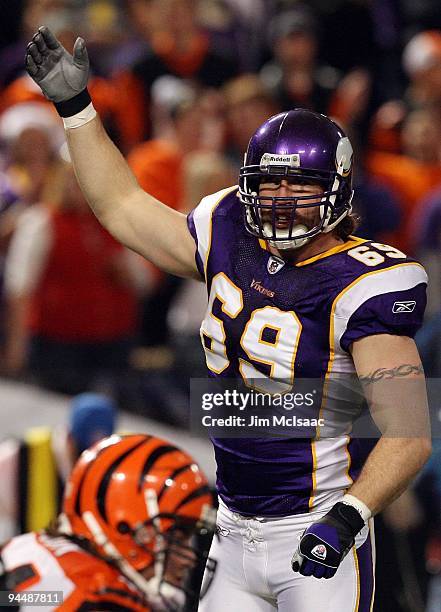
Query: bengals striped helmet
(141,502)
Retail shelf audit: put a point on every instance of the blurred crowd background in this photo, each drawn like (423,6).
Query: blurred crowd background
(181,85)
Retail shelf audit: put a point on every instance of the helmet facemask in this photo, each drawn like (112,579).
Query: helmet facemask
(177,547)
(262,213)
(181,552)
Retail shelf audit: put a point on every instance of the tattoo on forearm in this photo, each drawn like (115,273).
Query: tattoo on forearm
(398,372)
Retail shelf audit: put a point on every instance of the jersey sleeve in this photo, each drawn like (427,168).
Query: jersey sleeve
(391,301)
(200,224)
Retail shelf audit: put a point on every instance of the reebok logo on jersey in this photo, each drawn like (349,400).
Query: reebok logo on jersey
(258,287)
(319,551)
(408,306)
(269,159)
(274,265)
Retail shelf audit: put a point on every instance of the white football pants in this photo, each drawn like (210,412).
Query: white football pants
(250,569)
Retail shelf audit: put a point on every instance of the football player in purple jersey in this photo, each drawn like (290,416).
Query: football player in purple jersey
(291,293)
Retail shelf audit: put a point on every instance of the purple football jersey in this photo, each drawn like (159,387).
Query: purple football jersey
(268,319)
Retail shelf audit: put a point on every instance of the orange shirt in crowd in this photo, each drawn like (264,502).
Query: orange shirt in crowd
(157,165)
(411,181)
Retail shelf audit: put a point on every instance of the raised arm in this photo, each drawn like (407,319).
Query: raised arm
(132,216)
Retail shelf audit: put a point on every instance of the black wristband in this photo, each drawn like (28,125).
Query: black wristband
(75,105)
(351,517)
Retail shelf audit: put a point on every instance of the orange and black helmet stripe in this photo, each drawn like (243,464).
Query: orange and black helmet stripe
(173,475)
(105,480)
(152,459)
(203,490)
(77,505)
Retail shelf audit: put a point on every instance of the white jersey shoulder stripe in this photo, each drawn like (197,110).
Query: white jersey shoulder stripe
(202,218)
(379,282)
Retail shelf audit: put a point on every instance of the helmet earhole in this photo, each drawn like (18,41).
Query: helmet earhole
(123,527)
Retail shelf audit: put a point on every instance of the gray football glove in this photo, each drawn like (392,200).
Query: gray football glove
(59,75)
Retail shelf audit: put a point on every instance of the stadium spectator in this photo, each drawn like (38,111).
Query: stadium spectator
(377,207)
(138,26)
(36,468)
(297,78)
(293,75)
(429,344)
(177,132)
(248,104)
(347,32)
(427,224)
(375,203)
(32,169)
(21,90)
(213,121)
(413,174)
(252,17)
(177,46)
(9,206)
(421,62)
(71,295)
(205,172)
(32,138)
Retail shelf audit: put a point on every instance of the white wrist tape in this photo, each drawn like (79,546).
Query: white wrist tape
(81,118)
(360,506)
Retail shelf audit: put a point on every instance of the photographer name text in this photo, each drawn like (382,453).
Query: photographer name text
(256,421)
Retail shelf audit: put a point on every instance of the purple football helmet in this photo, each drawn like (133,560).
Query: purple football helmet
(304,145)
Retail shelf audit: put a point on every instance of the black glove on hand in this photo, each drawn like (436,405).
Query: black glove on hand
(325,543)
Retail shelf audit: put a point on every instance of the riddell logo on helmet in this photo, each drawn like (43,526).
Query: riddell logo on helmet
(269,159)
